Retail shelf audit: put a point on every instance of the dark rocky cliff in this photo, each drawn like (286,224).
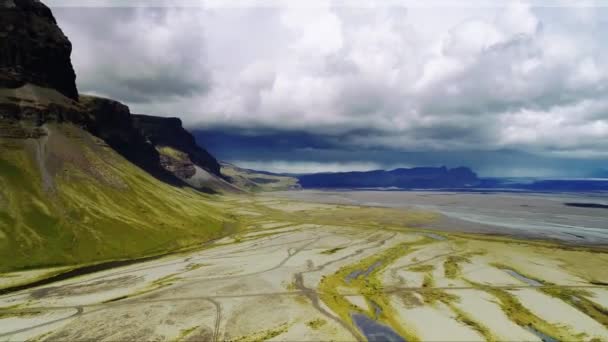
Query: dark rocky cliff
(111,121)
(169,132)
(33,49)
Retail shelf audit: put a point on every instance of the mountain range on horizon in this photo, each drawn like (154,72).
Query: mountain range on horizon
(419,177)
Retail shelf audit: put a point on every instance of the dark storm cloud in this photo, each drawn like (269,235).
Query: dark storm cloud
(298,152)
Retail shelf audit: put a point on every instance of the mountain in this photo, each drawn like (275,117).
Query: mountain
(67,197)
(253,180)
(180,154)
(419,178)
(168,132)
(113,123)
(81,179)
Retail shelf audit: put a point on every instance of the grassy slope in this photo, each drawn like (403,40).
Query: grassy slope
(254,181)
(94,205)
(171,152)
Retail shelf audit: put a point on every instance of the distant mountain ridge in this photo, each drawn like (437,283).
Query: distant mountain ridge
(419,177)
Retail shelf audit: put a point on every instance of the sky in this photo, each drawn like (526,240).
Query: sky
(507,88)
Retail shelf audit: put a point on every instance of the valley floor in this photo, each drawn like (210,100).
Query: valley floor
(575,218)
(310,271)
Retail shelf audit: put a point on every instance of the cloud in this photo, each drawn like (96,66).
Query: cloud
(137,55)
(289,151)
(510,76)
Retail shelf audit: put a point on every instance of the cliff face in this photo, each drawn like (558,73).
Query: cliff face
(111,121)
(37,81)
(33,49)
(169,133)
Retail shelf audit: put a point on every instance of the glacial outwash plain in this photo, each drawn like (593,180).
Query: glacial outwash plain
(305,271)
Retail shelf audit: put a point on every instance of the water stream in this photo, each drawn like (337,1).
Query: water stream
(525,279)
(434,236)
(357,273)
(544,337)
(374,331)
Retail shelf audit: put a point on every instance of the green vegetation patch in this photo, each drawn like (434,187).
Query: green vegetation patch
(452,265)
(100,208)
(332,251)
(316,323)
(369,286)
(464,318)
(194,266)
(185,332)
(20,314)
(523,317)
(410,299)
(254,182)
(579,299)
(172,153)
(262,335)
(422,268)
(433,296)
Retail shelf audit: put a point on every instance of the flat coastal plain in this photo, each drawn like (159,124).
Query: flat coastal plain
(361,266)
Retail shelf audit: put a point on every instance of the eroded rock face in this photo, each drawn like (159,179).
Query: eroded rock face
(33,49)
(170,132)
(182,169)
(111,121)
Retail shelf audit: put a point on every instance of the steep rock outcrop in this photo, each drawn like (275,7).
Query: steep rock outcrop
(112,121)
(181,168)
(169,132)
(33,49)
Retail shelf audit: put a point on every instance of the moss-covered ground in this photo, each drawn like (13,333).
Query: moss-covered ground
(96,206)
(369,286)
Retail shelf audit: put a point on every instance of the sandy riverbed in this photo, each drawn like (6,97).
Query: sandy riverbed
(284,278)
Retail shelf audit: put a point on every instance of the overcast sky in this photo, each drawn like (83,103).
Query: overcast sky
(514,89)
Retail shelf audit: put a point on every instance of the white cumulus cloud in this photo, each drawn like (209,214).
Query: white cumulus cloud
(441,77)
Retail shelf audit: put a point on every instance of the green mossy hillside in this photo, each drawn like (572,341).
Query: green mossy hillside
(69,199)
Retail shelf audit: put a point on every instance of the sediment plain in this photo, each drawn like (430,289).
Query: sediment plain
(308,271)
